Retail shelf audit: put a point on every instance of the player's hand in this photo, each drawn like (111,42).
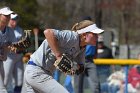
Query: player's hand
(12,49)
(80,69)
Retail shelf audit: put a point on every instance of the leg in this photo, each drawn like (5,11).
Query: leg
(2,87)
(104,87)
(41,81)
(10,86)
(68,84)
(92,77)
(18,74)
(28,88)
(8,68)
(78,83)
(115,88)
(103,73)
(57,75)
(109,88)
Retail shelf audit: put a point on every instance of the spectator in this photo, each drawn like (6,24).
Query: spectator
(113,82)
(103,51)
(133,79)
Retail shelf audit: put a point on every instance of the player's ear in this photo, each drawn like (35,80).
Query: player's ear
(83,36)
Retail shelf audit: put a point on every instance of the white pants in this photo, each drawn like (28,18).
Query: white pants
(2,87)
(38,80)
(13,67)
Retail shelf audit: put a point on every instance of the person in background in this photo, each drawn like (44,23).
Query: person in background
(103,52)
(90,70)
(134,75)
(133,79)
(14,66)
(6,38)
(113,82)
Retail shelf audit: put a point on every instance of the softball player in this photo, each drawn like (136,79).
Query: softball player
(39,70)
(6,37)
(14,65)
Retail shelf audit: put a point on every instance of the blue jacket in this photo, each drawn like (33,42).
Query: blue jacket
(90,52)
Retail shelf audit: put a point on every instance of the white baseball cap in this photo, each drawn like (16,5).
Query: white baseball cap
(91,28)
(6,11)
(13,16)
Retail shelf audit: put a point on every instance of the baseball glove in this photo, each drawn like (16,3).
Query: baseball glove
(24,43)
(21,45)
(66,65)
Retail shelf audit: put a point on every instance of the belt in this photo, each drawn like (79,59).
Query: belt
(31,63)
(89,60)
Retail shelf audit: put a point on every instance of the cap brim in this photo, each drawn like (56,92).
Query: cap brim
(8,13)
(14,16)
(92,28)
(97,31)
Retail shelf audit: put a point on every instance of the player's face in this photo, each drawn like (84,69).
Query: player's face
(91,38)
(4,21)
(12,23)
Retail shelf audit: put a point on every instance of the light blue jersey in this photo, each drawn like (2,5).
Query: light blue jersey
(14,64)
(19,33)
(6,37)
(68,42)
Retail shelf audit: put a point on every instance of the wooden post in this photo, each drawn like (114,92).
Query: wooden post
(36,31)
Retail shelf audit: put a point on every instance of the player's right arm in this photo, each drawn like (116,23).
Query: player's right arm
(5,44)
(53,43)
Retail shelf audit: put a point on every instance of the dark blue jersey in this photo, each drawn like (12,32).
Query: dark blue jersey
(90,52)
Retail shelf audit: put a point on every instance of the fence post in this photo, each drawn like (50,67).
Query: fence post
(126,78)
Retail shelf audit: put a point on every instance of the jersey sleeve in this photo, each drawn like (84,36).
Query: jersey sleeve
(11,35)
(66,37)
